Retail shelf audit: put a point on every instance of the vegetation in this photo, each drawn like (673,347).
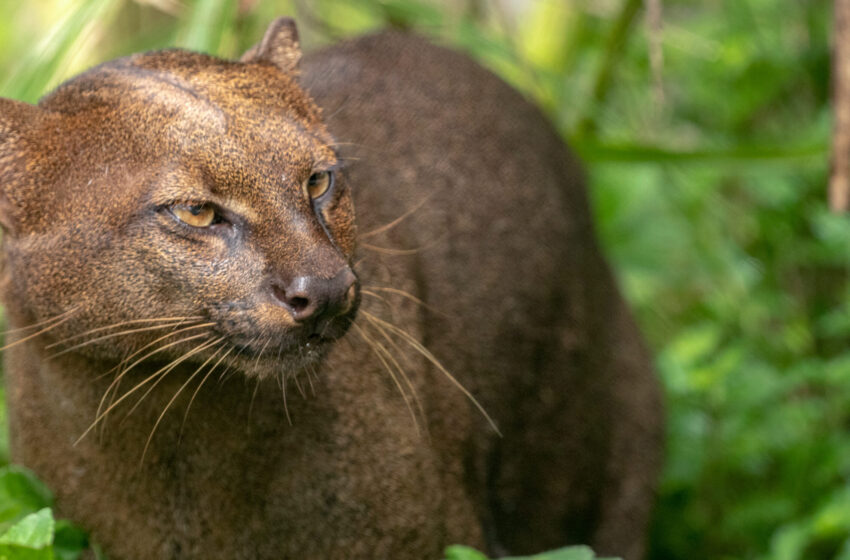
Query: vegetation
(708,178)
(27,528)
(457,552)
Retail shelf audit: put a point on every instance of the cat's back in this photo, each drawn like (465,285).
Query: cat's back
(428,119)
(468,200)
(493,202)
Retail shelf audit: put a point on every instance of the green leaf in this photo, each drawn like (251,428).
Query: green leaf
(566,553)
(21,493)
(24,506)
(458,552)
(14,552)
(69,541)
(33,531)
(4,423)
(207,25)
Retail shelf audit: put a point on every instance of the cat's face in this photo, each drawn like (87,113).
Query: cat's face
(198,203)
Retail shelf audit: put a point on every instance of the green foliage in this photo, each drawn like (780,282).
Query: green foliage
(569,553)
(709,199)
(21,494)
(4,432)
(27,528)
(33,531)
(29,539)
(206,25)
(54,50)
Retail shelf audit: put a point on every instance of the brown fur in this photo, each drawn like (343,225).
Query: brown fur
(502,282)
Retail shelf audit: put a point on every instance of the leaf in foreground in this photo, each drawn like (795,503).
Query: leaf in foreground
(21,494)
(30,538)
(458,552)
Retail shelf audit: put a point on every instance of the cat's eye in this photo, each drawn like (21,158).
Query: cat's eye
(196,215)
(318,184)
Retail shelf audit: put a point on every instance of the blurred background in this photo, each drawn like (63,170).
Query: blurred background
(704,126)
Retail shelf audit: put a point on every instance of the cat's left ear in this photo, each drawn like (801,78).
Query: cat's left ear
(280,46)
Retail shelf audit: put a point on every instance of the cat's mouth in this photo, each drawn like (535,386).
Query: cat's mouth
(260,343)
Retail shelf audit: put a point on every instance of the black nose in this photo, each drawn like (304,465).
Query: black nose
(311,297)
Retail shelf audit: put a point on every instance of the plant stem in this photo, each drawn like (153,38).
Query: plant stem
(613,46)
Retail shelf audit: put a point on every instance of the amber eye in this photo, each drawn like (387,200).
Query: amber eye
(196,215)
(318,184)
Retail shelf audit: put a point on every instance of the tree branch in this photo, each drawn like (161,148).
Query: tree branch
(839,181)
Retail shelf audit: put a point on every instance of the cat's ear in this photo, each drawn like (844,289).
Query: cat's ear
(280,46)
(18,122)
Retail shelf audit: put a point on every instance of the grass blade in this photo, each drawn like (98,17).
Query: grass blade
(47,64)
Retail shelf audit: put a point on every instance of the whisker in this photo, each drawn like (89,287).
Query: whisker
(201,384)
(256,386)
(168,368)
(299,387)
(415,344)
(229,371)
(253,396)
(399,252)
(281,379)
(365,291)
(392,224)
(279,350)
(406,295)
(226,374)
(40,323)
(178,392)
(168,320)
(339,144)
(310,379)
(389,250)
(295,375)
(283,392)
(124,370)
(101,415)
(35,334)
(376,349)
(106,337)
(148,345)
(402,372)
(263,349)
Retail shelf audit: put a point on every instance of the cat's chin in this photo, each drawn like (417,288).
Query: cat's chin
(278,363)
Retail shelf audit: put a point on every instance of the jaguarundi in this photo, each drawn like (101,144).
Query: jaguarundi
(210,356)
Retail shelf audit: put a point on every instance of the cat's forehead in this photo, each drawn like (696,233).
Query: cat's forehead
(238,130)
(192,96)
(220,115)
(198,77)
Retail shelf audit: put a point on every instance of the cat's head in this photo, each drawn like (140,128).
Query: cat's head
(196,202)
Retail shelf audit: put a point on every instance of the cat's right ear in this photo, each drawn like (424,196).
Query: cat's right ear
(280,46)
(17,128)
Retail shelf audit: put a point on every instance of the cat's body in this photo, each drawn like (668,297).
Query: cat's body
(494,239)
